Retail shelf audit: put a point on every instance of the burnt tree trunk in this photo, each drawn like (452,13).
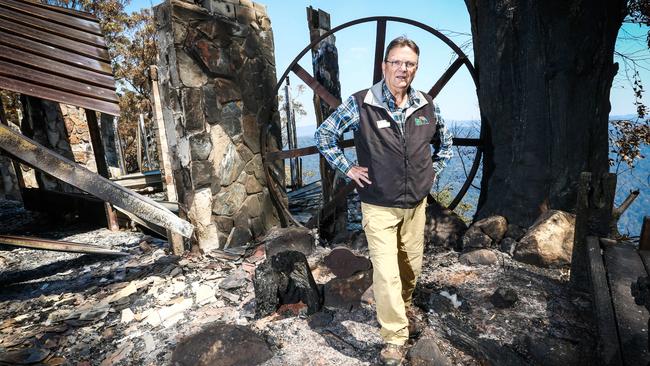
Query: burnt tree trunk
(545,71)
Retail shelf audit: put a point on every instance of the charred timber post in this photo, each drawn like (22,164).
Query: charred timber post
(161,139)
(164,155)
(644,240)
(326,72)
(294,163)
(112,150)
(594,207)
(100,161)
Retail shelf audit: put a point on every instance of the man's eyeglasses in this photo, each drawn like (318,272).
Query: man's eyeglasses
(398,64)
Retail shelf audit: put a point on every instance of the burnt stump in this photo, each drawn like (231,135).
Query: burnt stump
(285,278)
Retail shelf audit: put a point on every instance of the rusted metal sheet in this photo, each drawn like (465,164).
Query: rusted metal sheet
(41,63)
(39,157)
(8,68)
(56,54)
(70,58)
(90,26)
(57,245)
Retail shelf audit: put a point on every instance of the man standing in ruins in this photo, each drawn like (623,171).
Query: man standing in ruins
(393,126)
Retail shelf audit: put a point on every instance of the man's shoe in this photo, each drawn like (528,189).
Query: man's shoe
(415,323)
(391,355)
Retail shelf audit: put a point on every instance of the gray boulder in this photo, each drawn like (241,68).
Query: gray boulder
(479,256)
(494,226)
(549,241)
(474,238)
(427,353)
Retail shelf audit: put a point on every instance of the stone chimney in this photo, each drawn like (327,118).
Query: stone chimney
(216,70)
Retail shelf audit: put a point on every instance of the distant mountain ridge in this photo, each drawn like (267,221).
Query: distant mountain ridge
(637,178)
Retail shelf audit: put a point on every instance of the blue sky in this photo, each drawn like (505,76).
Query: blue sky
(356,48)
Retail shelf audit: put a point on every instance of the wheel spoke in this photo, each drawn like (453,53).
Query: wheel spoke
(437,87)
(317,87)
(302,151)
(380,42)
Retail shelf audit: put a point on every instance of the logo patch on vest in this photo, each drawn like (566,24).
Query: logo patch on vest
(421,121)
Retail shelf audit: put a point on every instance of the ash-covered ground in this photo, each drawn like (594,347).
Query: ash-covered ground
(74,309)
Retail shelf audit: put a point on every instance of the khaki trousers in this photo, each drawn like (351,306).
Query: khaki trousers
(396,242)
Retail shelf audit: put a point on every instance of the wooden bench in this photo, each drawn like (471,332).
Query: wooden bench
(622,324)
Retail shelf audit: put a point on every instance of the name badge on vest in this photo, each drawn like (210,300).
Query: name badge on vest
(383,123)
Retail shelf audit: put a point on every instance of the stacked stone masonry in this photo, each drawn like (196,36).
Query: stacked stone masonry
(216,70)
(61,128)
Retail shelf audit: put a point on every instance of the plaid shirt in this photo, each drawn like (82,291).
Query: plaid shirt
(346,118)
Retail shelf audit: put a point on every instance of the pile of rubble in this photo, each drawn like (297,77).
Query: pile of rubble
(152,308)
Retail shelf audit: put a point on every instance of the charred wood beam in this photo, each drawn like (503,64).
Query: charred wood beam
(144,223)
(39,157)
(56,245)
(608,345)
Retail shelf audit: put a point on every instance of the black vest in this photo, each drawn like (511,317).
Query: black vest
(399,165)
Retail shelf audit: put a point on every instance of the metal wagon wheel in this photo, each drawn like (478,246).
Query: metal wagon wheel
(269,157)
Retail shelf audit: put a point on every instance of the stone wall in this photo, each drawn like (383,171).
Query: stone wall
(62,129)
(78,136)
(216,70)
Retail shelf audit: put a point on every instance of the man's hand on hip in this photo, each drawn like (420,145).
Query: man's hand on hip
(359,174)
